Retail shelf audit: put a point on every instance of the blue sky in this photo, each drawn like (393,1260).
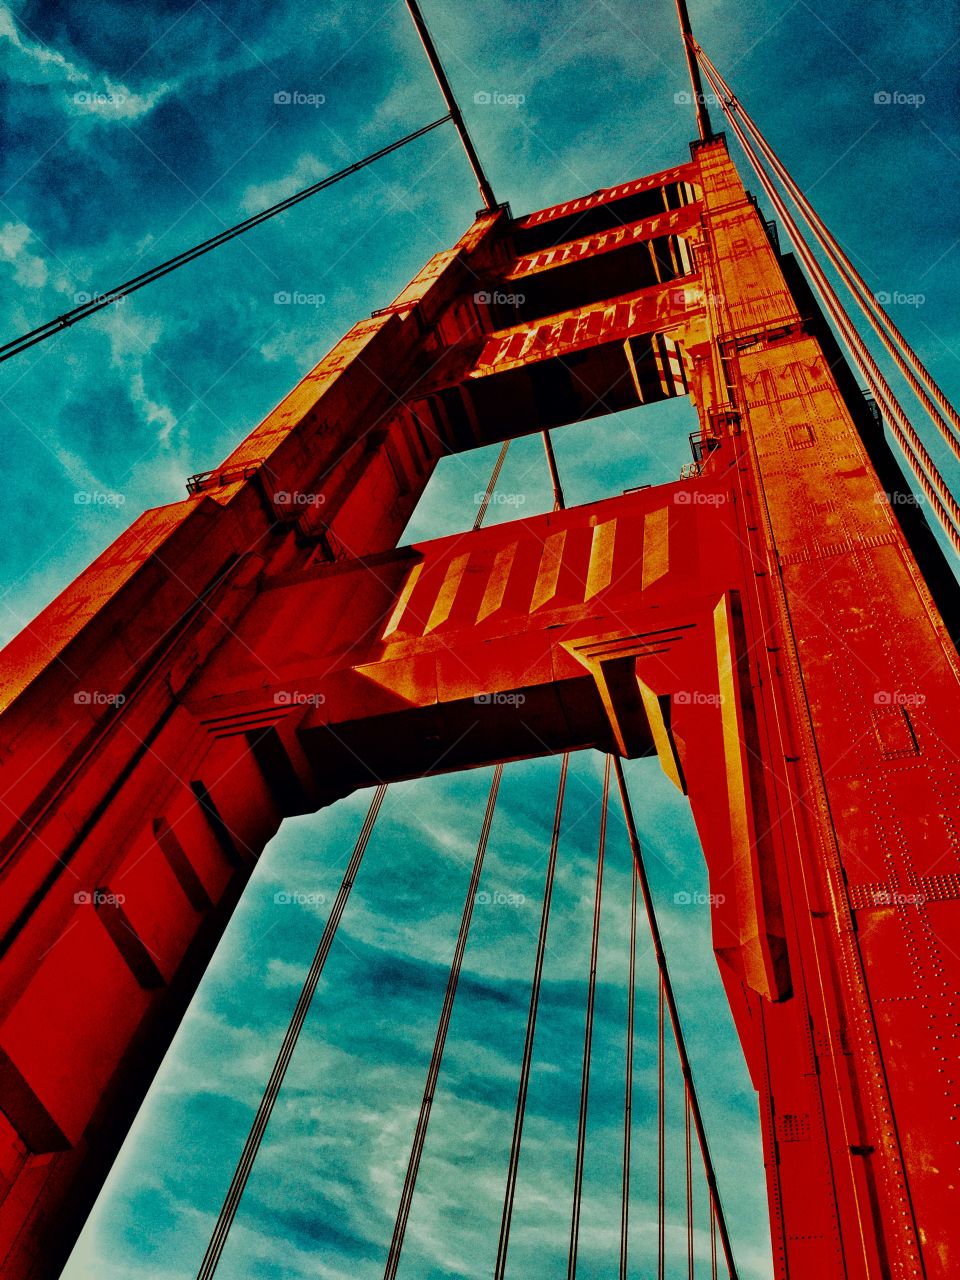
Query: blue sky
(134,132)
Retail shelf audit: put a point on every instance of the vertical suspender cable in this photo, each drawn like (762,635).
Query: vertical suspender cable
(446,1013)
(241,1174)
(696,84)
(909,363)
(688,1155)
(661,1141)
(671,1005)
(588,1033)
(628,1087)
(506,1218)
(713,1245)
(486,191)
(558,502)
(228,1211)
(491,484)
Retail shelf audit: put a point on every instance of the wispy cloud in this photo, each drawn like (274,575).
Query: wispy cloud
(90,93)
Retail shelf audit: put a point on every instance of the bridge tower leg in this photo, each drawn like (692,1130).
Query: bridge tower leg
(772,626)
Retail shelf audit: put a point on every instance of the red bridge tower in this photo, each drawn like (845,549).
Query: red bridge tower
(263,648)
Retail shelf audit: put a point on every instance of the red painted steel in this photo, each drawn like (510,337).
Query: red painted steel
(770,627)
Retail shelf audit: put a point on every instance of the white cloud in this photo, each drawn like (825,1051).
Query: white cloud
(116,102)
(30,61)
(37,63)
(28,268)
(132,339)
(308,169)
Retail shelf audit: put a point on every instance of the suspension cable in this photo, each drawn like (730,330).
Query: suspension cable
(688,1159)
(713,1245)
(238,1182)
(918,459)
(491,484)
(110,296)
(667,996)
(423,31)
(446,1013)
(628,1087)
(433,1072)
(661,1140)
(507,1216)
(909,363)
(588,1032)
(558,501)
(696,84)
(228,1211)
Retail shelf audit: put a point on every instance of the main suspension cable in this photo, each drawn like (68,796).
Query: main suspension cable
(513,1164)
(667,995)
(907,361)
(446,1013)
(588,1032)
(238,1182)
(918,459)
(110,296)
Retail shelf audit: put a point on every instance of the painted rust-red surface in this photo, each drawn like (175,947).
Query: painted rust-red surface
(767,627)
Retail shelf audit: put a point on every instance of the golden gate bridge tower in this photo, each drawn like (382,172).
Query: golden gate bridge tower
(151,741)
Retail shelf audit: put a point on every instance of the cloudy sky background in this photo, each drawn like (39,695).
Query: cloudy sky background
(131,133)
